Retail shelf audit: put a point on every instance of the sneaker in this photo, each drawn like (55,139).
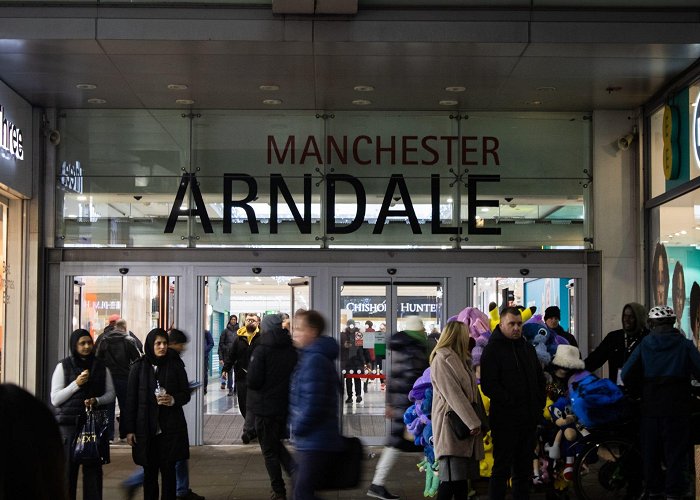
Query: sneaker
(349,400)
(223,386)
(230,393)
(358,399)
(378,491)
(278,496)
(245,438)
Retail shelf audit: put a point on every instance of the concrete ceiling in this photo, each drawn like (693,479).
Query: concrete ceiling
(506,58)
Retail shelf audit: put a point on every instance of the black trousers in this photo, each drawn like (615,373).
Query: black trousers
(92,474)
(312,467)
(666,438)
(271,431)
(513,449)
(155,466)
(358,387)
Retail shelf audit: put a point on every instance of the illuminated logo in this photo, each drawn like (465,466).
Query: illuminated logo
(11,140)
(72,177)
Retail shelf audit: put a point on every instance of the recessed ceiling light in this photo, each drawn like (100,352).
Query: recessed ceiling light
(456,88)
(361,102)
(533,103)
(177,86)
(86,86)
(448,102)
(269,88)
(272,102)
(363,88)
(484,209)
(184,101)
(95,100)
(546,89)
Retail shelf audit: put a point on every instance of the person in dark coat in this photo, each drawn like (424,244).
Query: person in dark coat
(154,421)
(225,344)
(313,399)
(32,458)
(238,358)
(663,366)
(269,374)
(512,376)
(618,345)
(352,358)
(552,317)
(80,381)
(409,359)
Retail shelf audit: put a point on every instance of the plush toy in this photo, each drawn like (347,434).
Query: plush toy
(494,314)
(567,435)
(476,320)
(541,337)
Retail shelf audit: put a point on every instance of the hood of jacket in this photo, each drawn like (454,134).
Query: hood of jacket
(278,338)
(640,314)
(663,339)
(323,345)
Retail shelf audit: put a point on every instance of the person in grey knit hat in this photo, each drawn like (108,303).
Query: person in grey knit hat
(269,373)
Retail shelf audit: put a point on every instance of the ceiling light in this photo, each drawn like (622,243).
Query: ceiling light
(546,89)
(684,232)
(448,102)
(177,86)
(484,209)
(96,101)
(533,103)
(81,197)
(363,88)
(272,102)
(86,86)
(269,88)
(361,102)
(184,101)
(456,88)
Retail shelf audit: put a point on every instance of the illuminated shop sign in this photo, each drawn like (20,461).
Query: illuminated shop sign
(696,131)
(374,306)
(71,177)
(392,151)
(11,140)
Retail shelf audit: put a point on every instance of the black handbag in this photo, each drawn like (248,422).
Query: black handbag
(345,469)
(460,428)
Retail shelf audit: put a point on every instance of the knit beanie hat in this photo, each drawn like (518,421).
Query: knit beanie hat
(552,312)
(271,322)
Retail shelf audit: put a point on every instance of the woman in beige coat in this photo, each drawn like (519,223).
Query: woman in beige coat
(454,388)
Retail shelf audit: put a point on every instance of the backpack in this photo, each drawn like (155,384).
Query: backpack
(597,401)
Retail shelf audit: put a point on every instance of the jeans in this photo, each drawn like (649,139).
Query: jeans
(513,449)
(271,431)
(312,466)
(92,474)
(229,379)
(666,438)
(120,388)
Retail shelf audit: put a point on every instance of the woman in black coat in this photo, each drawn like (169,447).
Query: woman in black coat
(153,420)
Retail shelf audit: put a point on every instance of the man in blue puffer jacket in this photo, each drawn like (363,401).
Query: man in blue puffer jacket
(313,402)
(663,366)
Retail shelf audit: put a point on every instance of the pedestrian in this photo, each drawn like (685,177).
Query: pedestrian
(455,389)
(313,401)
(32,456)
(353,360)
(552,317)
(154,421)
(111,324)
(117,351)
(409,359)
(225,344)
(238,359)
(269,373)
(80,382)
(511,375)
(663,365)
(208,347)
(618,345)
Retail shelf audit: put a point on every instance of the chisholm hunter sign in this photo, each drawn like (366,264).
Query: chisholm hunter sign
(410,150)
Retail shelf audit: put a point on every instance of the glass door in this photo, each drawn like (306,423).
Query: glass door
(368,314)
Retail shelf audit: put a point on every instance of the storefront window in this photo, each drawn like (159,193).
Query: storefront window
(303,179)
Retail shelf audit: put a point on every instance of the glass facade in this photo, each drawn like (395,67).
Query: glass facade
(146,178)
(674,220)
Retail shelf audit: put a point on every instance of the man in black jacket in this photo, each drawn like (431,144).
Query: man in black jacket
(226,339)
(617,346)
(269,372)
(512,377)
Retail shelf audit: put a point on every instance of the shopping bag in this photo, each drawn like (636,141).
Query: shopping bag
(91,442)
(345,469)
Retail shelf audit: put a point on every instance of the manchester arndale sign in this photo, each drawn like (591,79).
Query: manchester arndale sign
(240,189)
(11,140)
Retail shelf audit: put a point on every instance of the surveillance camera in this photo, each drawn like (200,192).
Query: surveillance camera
(138,197)
(55,137)
(508,198)
(123,270)
(624,143)
(391,271)
(256,270)
(524,271)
